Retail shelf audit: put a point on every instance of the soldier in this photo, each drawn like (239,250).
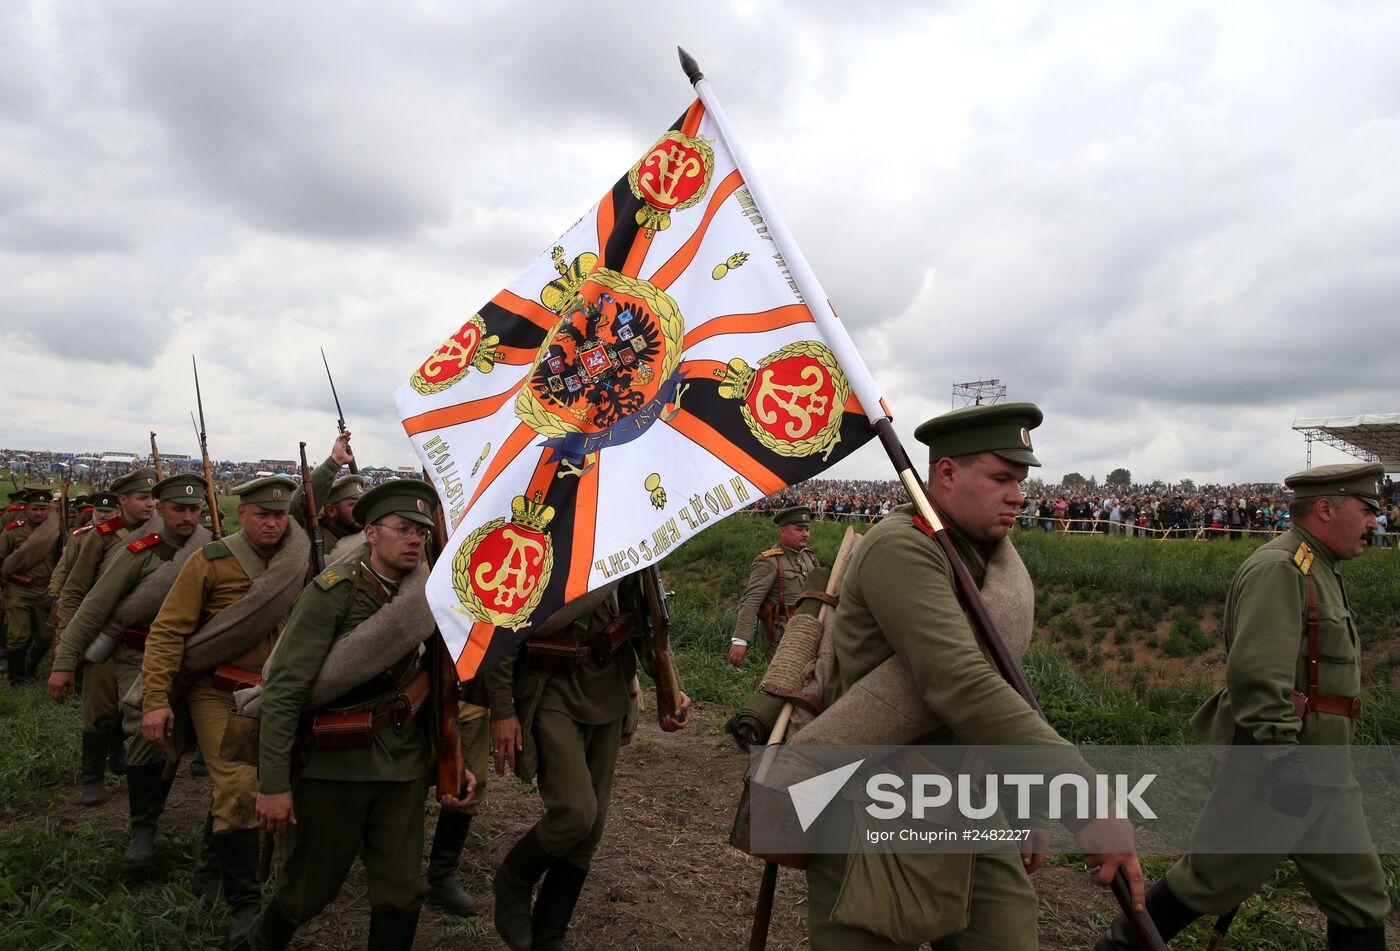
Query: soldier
(28,556)
(899,597)
(14,512)
(119,607)
(218,576)
(560,702)
(777,578)
(117,512)
(338,512)
(1289,636)
(450,834)
(362,794)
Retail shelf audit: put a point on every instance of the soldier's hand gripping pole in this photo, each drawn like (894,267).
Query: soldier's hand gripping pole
(155,458)
(214,520)
(339,413)
(313,521)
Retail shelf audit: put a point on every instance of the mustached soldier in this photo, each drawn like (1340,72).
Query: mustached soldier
(371,743)
(338,509)
(213,634)
(118,511)
(119,607)
(28,556)
(1292,680)
(776,579)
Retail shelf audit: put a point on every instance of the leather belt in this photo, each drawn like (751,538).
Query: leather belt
(1312,701)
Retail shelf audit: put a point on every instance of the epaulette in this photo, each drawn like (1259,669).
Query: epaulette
(333,576)
(15,524)
(141,544)
(84,529)
(1303,557)
(111,525)
(772,552)
(215,550)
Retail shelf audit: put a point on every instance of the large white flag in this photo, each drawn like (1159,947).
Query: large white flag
(655,369)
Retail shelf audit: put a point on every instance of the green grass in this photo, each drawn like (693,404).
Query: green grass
(38,747)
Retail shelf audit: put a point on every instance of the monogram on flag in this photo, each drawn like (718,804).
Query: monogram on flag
(654,370)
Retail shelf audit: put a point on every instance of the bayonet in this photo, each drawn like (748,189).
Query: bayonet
(339,413)
(202,435)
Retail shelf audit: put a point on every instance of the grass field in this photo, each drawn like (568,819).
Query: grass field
(1127,648)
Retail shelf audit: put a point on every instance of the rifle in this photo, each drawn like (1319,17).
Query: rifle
(313,521)
(340,414)
(668,691)
(63,511)
(450,767)
(155,457)
(215,530)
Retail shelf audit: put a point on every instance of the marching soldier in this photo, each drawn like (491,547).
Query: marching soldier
(28,556)
(777,578)
(119,607)
(117,512)
(338,512)
(362,792)
(229,656)
(899,598)
(1292,680)
(557,711)
(14,512)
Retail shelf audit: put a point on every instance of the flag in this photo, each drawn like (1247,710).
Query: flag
(654,370)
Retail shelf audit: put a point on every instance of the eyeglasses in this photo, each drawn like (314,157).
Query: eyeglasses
(406,531)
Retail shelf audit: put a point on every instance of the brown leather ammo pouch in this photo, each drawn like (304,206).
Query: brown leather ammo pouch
(355,731)
(556,656)
(230,679)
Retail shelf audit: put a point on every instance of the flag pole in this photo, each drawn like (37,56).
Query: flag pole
(866,391)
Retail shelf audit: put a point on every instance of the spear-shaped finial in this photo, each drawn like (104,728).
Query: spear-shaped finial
(692,68)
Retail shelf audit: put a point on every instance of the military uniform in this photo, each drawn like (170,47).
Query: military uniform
(899,596)
(571,706)
(1267,640)
(777,578)
(146,787)
(450,833)
(27,624)
(343,489)
(347,800)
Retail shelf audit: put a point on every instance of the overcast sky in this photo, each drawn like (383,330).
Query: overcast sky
(1172,225)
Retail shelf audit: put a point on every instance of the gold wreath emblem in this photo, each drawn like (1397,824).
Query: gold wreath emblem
(738,380)
(461,581)
(533,413)
(451,352)
(661,186)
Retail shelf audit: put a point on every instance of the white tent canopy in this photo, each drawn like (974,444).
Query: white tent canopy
(1375,437)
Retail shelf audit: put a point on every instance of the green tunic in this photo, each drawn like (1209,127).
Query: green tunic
(763,587)
(40,573)
(334,604)
(127,570)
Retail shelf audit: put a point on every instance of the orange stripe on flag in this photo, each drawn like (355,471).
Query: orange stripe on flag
(704,436)
(537,314)
(691,123)
(605,221)
(477,639)
(749,323)
(515,443)
(692,369)
(673,268)
(461,413)
(585,525)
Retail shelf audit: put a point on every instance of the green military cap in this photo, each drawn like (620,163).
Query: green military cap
(346,487)
(80,502)
(186,489)
(415,500)
(17,495)
(1004,428)
(793,515)
(273,493)
(105,500)
(140,480)
(38,496)
(1361,479)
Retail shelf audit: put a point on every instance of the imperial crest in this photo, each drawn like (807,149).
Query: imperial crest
(673,175)
(793,401)
(607,368)
(501,570)
(468,347)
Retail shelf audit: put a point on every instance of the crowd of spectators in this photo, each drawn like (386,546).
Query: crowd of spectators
(1175,510)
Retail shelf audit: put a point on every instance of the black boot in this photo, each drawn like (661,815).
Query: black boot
(1166,911)
(78,680)
(197,767)
(94,753)
(555,907)
(146,791)
(273,930)
(207,878)
(33,659)
(391,930)
(14,660)
(515,881)
(443,858)
(1347,938)
(238,865)
(116,750)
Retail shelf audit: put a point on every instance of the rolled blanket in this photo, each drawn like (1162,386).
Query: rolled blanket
(142,603)
(400,625)
(34,549)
